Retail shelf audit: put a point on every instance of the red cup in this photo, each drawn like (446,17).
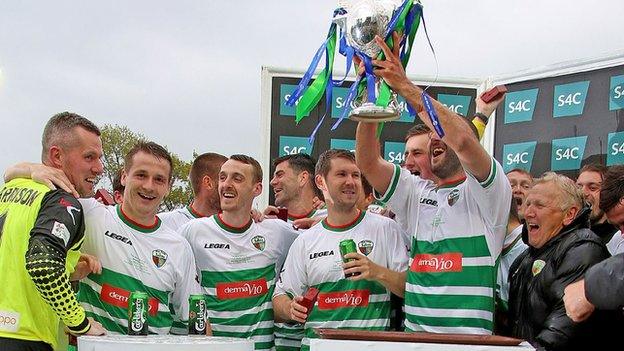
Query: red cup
(282,214)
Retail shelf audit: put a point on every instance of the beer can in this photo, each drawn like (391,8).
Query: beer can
(197,315)
(347,246)
(137,313)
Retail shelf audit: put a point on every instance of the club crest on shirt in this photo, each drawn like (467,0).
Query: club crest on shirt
(365,247)
(453,196)
(159,257)
(538,265)
(258,242)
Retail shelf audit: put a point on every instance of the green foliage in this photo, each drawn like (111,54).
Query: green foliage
(118,140)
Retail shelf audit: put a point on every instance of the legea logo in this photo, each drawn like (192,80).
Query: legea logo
(290,145)
(351,298)
(427,263)
(519,105)
(394,152)
(343,144)
(456,103)
(285,91)
(519,155)
(569,99)
(243,289)
(616,93)
(615,150)
(567,153)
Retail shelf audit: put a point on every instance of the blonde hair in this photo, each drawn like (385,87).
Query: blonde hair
(570,194)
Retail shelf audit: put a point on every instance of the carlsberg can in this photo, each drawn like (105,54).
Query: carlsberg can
(347,246)
(137,313)
(197,315)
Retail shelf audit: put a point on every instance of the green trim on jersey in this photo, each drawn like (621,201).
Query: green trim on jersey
(490,179)
(242,317)
(136,226)
(229,228)
(511,246)
(451,184)
(307,215)
(393,185)
(344,228)
(373,317)
(89,295)
(194,213)
(466,292)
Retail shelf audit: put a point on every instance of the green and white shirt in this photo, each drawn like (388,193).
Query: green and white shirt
(457,236)
(512,248)
(154,260)
(238,269)
(178,217)
(288,336)
(314,261)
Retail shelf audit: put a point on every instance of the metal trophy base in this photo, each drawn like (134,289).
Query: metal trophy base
(370,112)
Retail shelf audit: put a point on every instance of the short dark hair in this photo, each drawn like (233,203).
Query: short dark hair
(324,162)
(59,127)
(151,148)
(300,162)
(207,164)
(257,170)
(117,186)
(366,186)
(521,171)
(418,129)
(594,167)
(612,189)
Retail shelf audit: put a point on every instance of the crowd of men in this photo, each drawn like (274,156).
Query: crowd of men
(469,249)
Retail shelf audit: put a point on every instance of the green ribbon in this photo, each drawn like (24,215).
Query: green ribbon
(315,91)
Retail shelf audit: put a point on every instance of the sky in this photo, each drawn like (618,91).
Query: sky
(187,73)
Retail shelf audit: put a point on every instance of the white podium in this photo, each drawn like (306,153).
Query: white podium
(331,345)
(163,343)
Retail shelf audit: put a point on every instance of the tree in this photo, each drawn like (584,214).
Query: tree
(118,140)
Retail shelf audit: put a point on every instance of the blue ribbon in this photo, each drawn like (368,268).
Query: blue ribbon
(352,93)
(303,84)
(433,115)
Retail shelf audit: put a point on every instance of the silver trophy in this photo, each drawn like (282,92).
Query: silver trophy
(364,19)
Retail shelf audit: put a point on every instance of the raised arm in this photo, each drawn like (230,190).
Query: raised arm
(378,171)
(458,135)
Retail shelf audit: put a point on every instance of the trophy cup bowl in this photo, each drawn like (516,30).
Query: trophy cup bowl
(364,20)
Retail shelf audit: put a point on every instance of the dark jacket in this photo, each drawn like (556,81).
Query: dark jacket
(537,280)
(604,284)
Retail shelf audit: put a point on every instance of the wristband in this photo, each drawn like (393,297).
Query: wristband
(483,117)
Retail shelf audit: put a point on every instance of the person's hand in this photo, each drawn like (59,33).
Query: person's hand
(366,268)
(298,313)
(317,203)
(87,264)
(270,212)
(487,108)
(306,223)
(96,329)
(391,69)
(52,177)
(578,308)
(257,216)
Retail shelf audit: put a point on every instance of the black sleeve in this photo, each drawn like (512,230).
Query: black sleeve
(59,227)
(604,283)
(559,330)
